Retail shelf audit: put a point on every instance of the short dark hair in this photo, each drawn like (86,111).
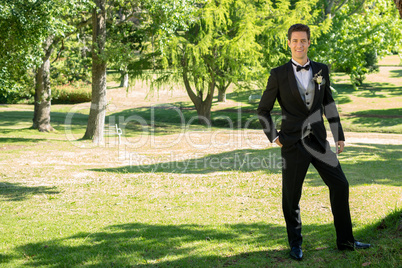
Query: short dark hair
(298,28)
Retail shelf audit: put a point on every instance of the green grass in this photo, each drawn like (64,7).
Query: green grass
(66,206)
(195,198)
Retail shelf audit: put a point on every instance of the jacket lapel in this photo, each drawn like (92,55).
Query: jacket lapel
(316,69)
(293,86)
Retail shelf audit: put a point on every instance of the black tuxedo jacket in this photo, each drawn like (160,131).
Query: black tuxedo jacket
(282,86)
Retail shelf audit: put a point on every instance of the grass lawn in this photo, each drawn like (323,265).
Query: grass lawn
(67,206)
(203,197)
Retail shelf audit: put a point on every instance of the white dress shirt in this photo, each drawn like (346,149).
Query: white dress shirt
(303,75)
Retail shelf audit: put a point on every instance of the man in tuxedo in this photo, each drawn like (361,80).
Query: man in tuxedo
(302,89)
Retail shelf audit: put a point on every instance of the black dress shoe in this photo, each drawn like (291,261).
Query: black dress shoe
(296,253)
(353,246)
(360,245)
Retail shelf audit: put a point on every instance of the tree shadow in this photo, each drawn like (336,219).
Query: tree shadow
(342,99)
(12,118)
(371,90)
(374,121)
(185,245)
(5,140)
(192,245)
(5,258)
(173,117)
(367,90)
(159,120)
(18,192)
(243,97)
(244,160)
(396,73)
(384,169)
(113,87)
(383,113)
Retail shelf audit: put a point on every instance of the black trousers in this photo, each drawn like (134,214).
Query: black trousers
(296,160)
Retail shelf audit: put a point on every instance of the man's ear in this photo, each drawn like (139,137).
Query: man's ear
(288,43)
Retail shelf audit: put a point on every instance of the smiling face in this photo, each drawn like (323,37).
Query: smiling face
(299,44)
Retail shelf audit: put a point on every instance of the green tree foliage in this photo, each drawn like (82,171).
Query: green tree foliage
(196,53)
(23,26)
(126,36)
(398,4)
(277,20)
(214,48)
(72,60)
(238,53)
(158,22)
(357,40)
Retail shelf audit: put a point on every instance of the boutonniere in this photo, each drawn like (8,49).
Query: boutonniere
(318,79)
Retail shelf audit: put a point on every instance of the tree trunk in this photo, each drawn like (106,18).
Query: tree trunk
(96,119)
(124,79)
(328,7)
(43,93)
(398,4)
(203,107)
(204,112)
(221,94)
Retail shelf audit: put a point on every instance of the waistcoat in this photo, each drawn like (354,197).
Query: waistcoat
(308,96)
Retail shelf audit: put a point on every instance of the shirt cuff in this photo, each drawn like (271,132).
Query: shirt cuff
(275,139)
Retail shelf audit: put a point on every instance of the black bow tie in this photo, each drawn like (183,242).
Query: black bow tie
(298,67)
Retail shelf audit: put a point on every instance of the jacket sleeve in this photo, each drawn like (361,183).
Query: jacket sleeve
(331,112)
(266,105)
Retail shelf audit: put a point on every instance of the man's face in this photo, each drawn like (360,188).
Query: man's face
(299,45)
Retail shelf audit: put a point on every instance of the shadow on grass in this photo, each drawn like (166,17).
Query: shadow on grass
(242,97)
(184,116)
(362,164)
(190,245)
(12,118)
(372,121)
(396,73)
(186,245)
(247,160)
(371,90)
(376,164)
(383,113)
(17,192)
(342,99)
(367,90)
(168,113)
(17,140)
(113,87)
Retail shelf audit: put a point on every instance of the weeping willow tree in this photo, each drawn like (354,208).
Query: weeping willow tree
(217,47)
(239,53)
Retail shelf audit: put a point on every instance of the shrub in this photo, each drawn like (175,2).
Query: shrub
(71,93)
